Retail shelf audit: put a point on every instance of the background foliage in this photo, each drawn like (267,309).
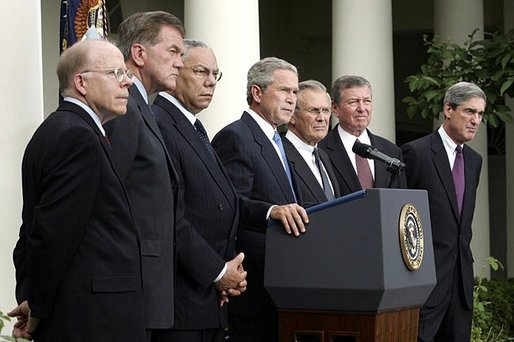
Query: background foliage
(493,307)
(488,63)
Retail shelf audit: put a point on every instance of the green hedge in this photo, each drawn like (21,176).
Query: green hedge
(493,314)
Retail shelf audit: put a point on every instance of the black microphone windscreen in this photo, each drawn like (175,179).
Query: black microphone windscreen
(361,149)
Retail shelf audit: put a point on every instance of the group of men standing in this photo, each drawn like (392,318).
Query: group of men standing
(137,228)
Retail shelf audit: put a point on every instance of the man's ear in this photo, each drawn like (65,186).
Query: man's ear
(138,54)
(80,83)
(292,121)
(256,93)
(447,109)
(334,109)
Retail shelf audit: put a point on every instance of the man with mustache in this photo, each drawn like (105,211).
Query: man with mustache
(208,271)
(77,259)
(308,126)
(151,43)
(449,170)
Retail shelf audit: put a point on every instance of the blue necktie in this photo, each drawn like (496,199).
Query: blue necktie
(278,141)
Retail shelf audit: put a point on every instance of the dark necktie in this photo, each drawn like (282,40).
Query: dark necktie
(151,111)
(202,133)
(458,177)
(278,141)
(107,141)
(364,172)
(324,177)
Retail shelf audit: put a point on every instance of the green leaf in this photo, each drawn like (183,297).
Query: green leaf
(431,80)
(506,85)
(430,94)
(506,59)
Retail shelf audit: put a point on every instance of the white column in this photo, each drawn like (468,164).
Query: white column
(231,29)
(50,14)
(454,20)
(362,44)
(508,7)
(21,82)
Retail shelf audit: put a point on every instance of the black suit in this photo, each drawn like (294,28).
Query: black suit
(311,191)
(143,163)
(77,260)
(207,230)
(344,170)
(258,175)
(428,168)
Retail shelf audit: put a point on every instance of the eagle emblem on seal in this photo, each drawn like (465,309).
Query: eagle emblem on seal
(411,237)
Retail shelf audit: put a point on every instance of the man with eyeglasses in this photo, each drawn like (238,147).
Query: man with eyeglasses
(352,105)
(308,126)
(77,258)
(449,170)
(151,43)
(208,270)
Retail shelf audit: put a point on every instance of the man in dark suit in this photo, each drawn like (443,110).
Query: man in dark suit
(309,124)
(352,104)
(206,234)
(449,170)
(251,150)
(151,43)
(77,259)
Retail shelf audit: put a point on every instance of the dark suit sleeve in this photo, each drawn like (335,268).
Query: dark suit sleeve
(124,133)
(412,165)
(236,157)
(402,179)
(70,182)
(194,253)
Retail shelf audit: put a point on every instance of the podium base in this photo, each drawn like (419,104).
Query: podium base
(399,325)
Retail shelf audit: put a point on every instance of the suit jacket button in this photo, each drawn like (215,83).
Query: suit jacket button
(220,207)
(455,257)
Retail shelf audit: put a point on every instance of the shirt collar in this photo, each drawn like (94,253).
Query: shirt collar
(298,143)
(88,110)
(448,143)
(349,139)
(266,127)
(141,88)
(190,116)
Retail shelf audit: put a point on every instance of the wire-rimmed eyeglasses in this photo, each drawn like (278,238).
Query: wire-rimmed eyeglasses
(205,73)
(118,73)
(317,110)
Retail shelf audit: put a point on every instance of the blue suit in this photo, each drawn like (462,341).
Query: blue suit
(259,178)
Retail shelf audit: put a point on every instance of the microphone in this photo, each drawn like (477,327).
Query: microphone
(394,165)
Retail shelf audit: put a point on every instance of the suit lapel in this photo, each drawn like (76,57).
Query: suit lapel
(442,165)
(341,161)
(270,156)
(145,110)
(382,176)
(149,119)
(471,166)
(188,132)
(330,172)
(301,170)
(73,108)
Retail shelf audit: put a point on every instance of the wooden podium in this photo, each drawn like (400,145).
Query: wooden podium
(348,278)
